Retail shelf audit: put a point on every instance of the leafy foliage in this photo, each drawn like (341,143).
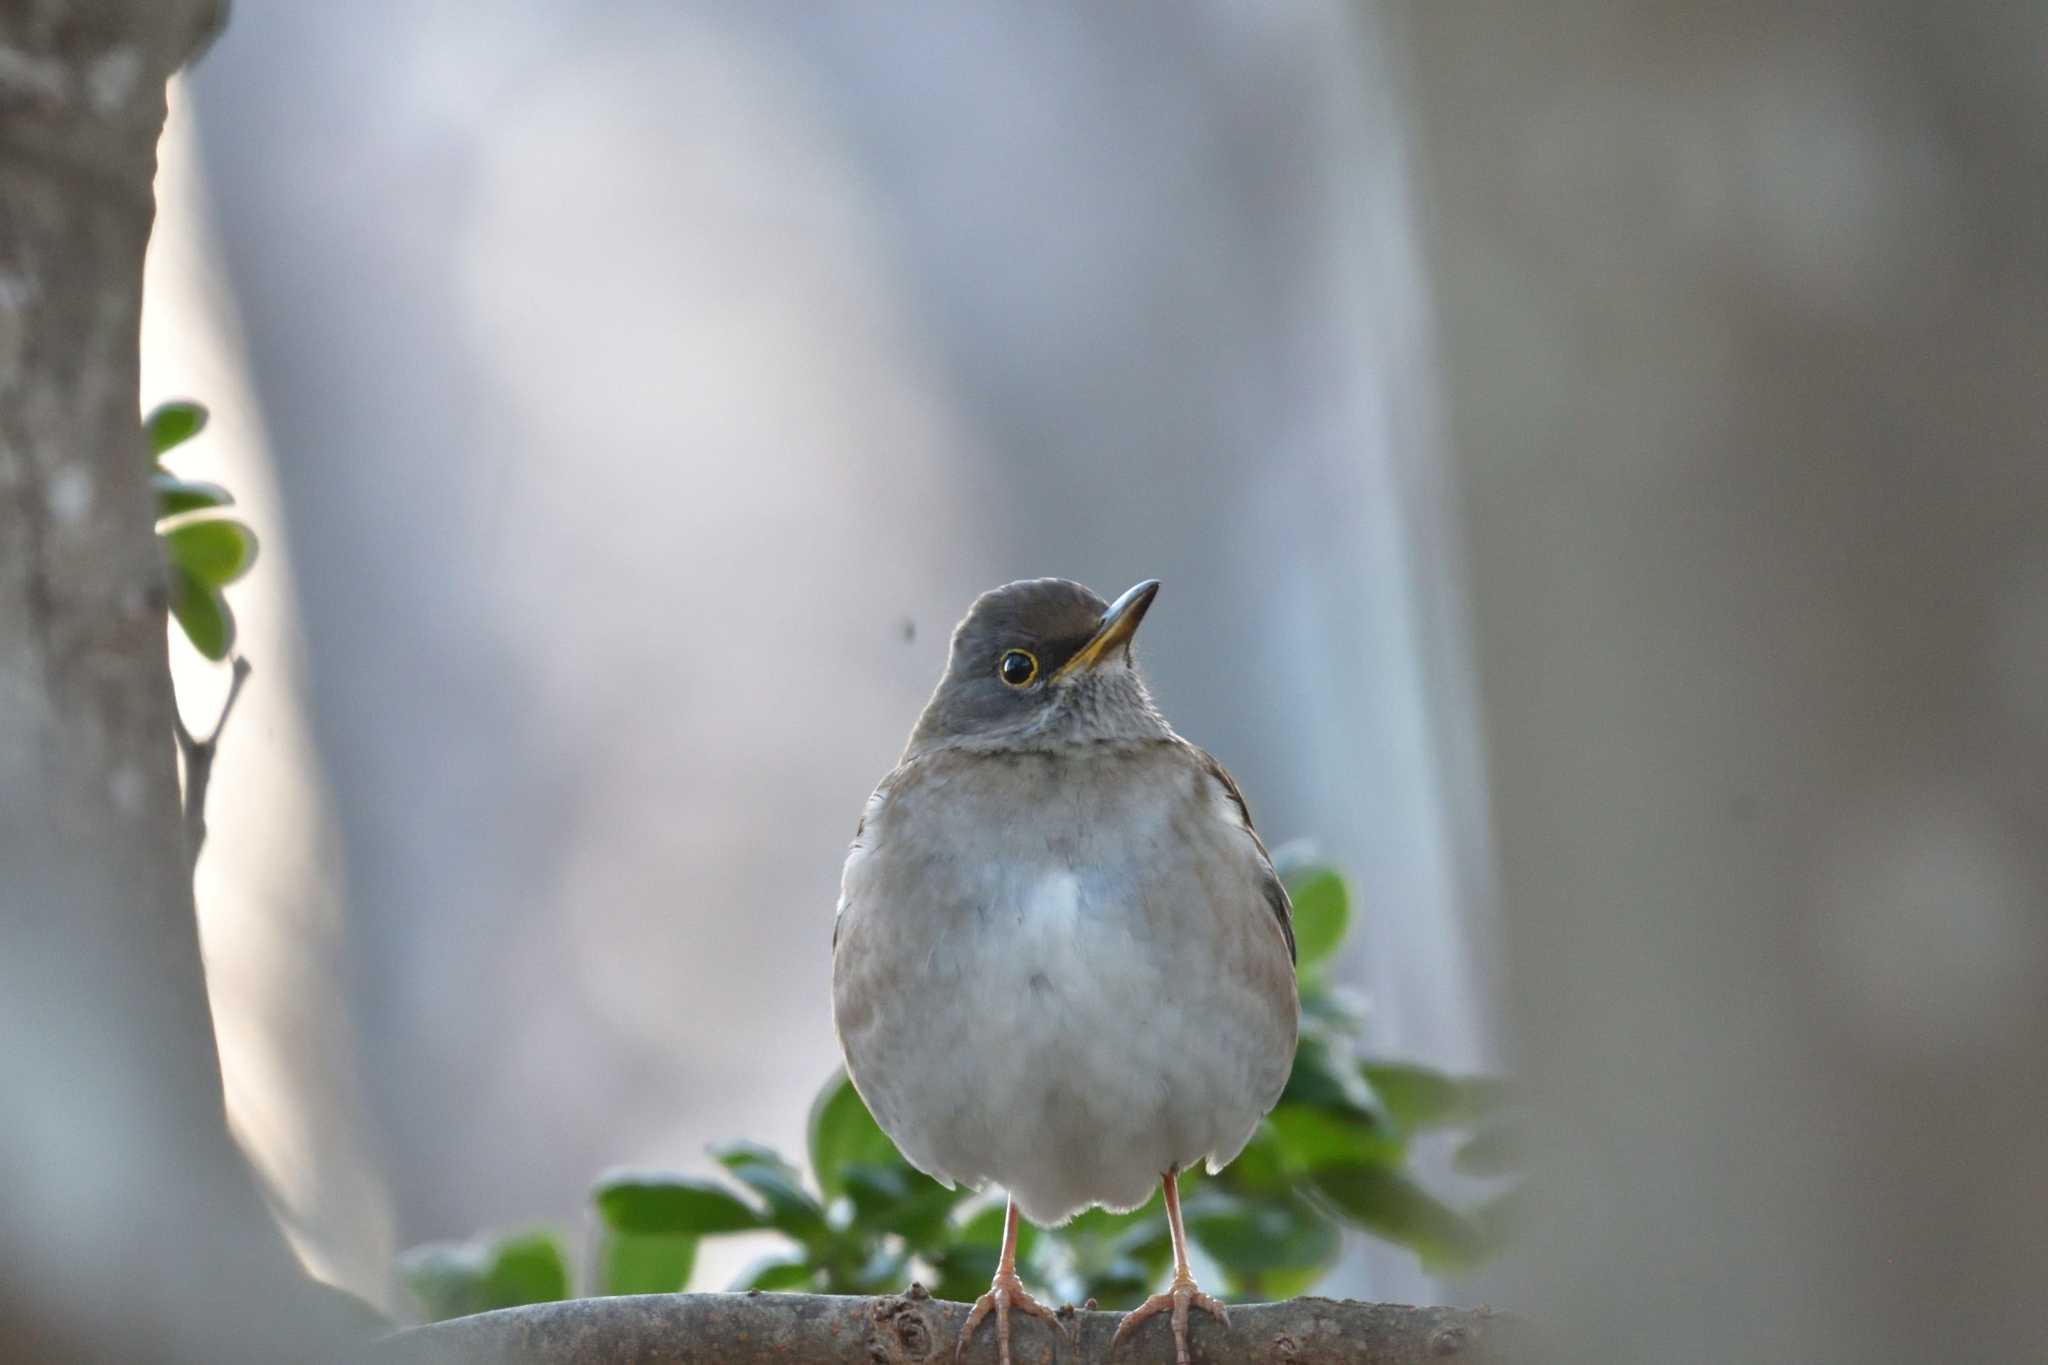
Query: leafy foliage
(1333,1155)
(205,549)
(452,1279)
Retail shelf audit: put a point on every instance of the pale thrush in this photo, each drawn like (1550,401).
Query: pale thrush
(1062,964)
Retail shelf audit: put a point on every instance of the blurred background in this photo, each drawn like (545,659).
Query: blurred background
(1595,464)
(632,400)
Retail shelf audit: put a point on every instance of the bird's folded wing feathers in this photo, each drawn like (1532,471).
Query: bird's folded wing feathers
(880,792)
(1269,882)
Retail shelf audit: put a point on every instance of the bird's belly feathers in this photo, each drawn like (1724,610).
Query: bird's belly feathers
(1060,1029)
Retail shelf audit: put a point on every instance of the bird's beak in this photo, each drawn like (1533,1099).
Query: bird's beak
(1116,628)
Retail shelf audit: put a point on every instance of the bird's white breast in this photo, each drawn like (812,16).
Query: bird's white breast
(1052,903)
(1067,1000)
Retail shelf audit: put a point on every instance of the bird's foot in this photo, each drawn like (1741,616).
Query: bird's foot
(1005,1292)
(1179,1297)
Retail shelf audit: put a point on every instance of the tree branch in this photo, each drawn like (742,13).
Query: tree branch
(198,755)
(127,1173)
(779,1329)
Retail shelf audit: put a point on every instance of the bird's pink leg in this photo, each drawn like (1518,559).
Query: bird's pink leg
(1181,1294)
(1005,1292)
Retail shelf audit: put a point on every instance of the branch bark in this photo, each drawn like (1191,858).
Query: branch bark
(133,1227)
(198,755)
(898,1329)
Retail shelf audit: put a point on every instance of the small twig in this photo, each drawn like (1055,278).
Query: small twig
(198,755)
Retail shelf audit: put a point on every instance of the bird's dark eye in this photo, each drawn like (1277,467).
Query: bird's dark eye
(1017,667)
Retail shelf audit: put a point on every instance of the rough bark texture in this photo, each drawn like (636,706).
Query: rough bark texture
(133,1228)
(898,1329)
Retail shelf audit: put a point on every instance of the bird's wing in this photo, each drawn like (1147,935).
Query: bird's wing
(1269,880)
(853,850)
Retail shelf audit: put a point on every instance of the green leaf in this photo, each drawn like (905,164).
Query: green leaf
(202,613)
(1272,1286)
(1321,914)
(1262,1168)
(528,1269)
(843,1134)
(1249,1238)
(172,424)
(1390,1205)
(1416,1096)
(921,1220)
(962,1272)
(895,1198)
(1420,1098)
(780,1272)
(175,495)
(645,1262)
(1312,1137)
(653,1203)
(1326,1077)
(735,1154)
(1144,1237)
(215,550)
(791,1208)
(454,1279)
(874,1190)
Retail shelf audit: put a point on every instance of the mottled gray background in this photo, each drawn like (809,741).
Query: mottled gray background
(648,389)
(1594,454)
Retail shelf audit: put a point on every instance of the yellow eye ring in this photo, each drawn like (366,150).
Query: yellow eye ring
(1017,667)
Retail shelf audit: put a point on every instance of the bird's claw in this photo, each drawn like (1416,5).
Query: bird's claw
(1005,1292)
(1179,1297)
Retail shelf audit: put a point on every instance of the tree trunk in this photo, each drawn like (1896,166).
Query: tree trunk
(820,1329)
(133,1228)
(1743,315)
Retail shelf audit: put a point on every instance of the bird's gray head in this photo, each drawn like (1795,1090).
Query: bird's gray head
(1040,663)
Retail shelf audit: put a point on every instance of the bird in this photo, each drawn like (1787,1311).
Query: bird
(1063,965)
